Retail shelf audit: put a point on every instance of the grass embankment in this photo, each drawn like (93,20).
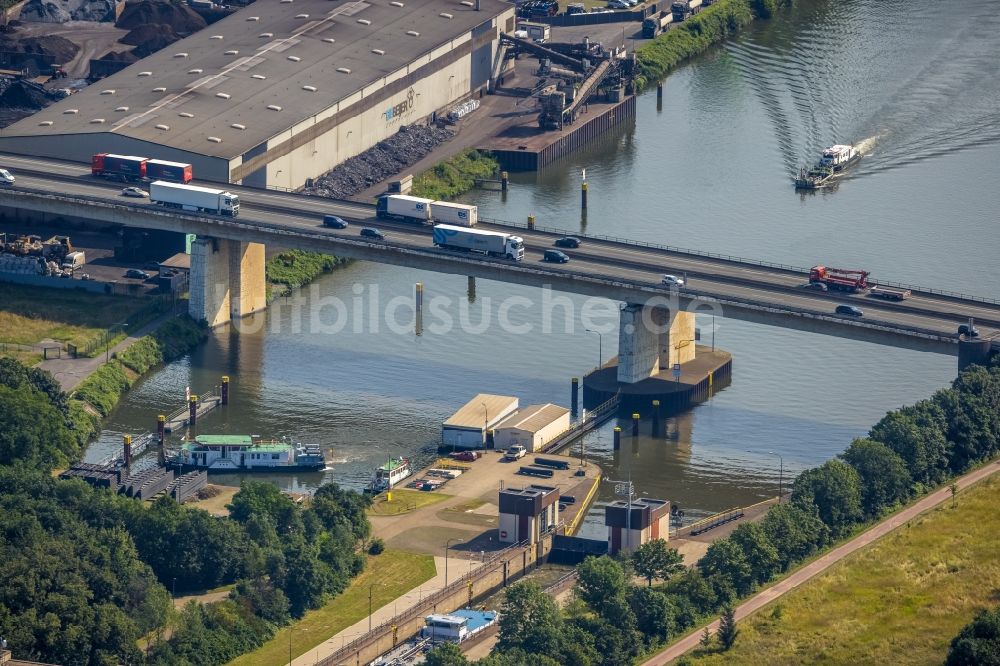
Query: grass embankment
(293,269)
(29,315)
(393,573)
(455,176)
(713,24)
(900,600)
(404,500)
(102,390)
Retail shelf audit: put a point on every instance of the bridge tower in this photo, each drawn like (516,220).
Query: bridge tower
(227,280)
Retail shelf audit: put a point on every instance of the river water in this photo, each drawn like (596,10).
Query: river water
(914,83)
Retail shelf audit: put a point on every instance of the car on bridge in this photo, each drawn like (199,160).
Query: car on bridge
(134,192)
(555,257)
(815,286)
(968,331)
(672,281)
(6,177)
(849,310)
(334,222)
(368,232)
(568,241)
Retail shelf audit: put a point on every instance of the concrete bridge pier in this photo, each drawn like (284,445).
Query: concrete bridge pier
(652,339)
(973,351)
(227,280)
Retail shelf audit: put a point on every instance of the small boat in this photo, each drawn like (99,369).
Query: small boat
(388,475)
(833,160)
(245,454)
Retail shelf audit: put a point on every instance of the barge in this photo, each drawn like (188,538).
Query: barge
(234,454)
(833,161)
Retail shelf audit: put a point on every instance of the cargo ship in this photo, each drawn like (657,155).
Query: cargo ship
(237,454)
(833,160)
(388,475)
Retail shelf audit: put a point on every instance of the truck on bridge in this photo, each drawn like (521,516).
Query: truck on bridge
(422,211)
(839,279)
(491,243)
(192,197)
(131,168)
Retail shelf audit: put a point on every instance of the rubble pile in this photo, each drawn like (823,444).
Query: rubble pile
(180,18)
(48,11)
(387,158)
(19,99)
(59,49)
(149,39)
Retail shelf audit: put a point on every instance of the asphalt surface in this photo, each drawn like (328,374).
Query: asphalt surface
(738,282)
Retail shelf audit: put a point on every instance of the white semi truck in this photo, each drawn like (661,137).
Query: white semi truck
(491,243)
(404,207)
(447,212)
(194,198)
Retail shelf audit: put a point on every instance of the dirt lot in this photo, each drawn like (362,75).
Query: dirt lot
(94,39)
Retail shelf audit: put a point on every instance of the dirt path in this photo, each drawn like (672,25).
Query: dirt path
(820,565)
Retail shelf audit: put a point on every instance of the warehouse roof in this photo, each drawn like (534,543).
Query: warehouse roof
(267,67)
(534,417)
(474,413)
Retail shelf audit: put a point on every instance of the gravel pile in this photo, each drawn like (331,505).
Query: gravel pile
(59,48)
(19,100)
(150,38)
(181,18)
(68,10)
(385,159)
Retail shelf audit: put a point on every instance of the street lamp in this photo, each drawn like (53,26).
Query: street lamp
(600,346)
(370,588)
(486,423)
(781,472)
(447,545)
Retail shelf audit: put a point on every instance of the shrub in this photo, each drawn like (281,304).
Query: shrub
(376,547)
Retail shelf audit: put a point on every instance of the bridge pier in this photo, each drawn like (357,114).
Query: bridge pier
(227,280)
(652,339)
(973,351)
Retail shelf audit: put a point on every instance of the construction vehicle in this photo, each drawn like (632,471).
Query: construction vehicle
(839,279)
(684,9)
(654,25)
(57,248)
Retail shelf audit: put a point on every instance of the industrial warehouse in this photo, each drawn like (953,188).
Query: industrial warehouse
(281,91)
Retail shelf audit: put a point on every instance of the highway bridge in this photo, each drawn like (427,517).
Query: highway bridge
(619,269)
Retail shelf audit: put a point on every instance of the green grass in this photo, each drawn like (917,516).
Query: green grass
(31,314)
(394,573)
(899,601)
(455,176)
(296,268)
(404,500)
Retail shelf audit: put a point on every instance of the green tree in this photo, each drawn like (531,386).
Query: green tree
(654,559)
(32,430)
(917,434)
(885,480)
(445,654)
(727,628)
(795,532)
(260,498)
(834,488)
(978,644)
(760,553)
(654,613)
(602,584)
(972,413)
(530,621)
(331,504)
(726,559)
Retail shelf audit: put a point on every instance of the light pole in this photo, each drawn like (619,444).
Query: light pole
(107,340)
(781,472)
(486,423)
(370,588)
(447,544)
(600,346)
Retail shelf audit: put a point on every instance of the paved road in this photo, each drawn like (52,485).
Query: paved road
(731,281)
(820,565)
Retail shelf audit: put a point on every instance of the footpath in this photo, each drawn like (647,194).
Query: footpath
(823,563)
(70,372)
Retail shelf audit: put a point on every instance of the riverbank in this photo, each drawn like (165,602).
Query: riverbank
(293,269)
(456,175)
(713,24)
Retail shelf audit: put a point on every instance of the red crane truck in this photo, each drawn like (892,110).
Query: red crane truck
(839,279)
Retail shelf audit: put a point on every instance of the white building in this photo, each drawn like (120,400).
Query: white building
(525,513)
(467,428)
(532,427)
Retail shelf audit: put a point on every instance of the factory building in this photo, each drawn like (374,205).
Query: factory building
(532,427)
(281,91)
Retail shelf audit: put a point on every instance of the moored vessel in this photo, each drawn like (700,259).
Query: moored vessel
(245,454)
(386,476)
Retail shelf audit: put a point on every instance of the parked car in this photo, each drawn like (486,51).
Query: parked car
(816,286)
(334,222)
(132,191)
(515,453)
(968,331)
(617,4)
(576,8)
(6,177)
(85,276)
(672,281)
(555,257)
(568,241)
(466,456)
(137,274)
(368,232)
(849,310)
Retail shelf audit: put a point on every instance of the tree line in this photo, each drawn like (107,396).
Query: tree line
(85,573)
(613,621)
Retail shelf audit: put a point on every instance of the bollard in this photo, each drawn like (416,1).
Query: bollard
(418,309)
(656,418)
(161,427)
(635,424)
(531,221)
(127,441)
(583,195)
(224,395)
(504,181)
(574,398)
(472,290)
(419,296)
(618,438)
(193,410)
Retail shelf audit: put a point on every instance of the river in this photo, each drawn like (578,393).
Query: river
(914,83)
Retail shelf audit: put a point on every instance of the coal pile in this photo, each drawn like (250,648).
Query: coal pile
(119,56)
(387,158)
(150,38)
(48,11)
(51,48)
(20,99)
(181,19)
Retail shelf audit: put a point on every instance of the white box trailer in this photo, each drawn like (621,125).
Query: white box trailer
(447,212)
(74,260)
(404,207)
(492,243)
(194,198)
